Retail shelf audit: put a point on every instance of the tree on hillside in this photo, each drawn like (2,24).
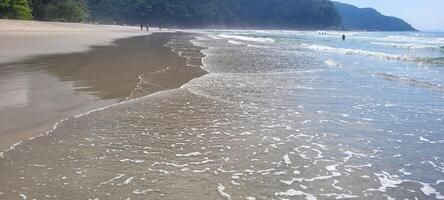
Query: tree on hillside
(224,13)
(4,5)
(59,10)
(65,11)
(286,14)
(39,8)
(15,9)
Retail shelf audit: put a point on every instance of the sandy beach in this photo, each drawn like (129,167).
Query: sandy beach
(275,115)
(22,39)
(81,67)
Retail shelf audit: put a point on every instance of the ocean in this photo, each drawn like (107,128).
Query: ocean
(279,115)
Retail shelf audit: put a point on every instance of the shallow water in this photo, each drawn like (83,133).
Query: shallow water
(281,115)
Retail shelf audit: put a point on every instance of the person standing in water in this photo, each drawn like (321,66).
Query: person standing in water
(343,37)
(147,28)
(141,27)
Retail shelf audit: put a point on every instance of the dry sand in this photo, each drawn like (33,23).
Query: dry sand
(42,89)
(21,39)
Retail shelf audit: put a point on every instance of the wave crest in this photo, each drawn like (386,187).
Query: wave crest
(407,46)
(245,38)
(380,55)
(411,81)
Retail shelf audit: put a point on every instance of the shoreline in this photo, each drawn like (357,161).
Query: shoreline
(27,39)
(134,83)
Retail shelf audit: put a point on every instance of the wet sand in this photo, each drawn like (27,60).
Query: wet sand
(38,92)
(269,121)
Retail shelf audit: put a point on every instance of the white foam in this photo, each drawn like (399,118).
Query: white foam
(336,186)
(221,189)
(379,55)
(127,181)
(23,196)
(189,154)
(235,42)
(32,138)
(176,165)
(331,63)
(246,133)
(245,38)
(293,192)
(387,181)
(406,45)
(290,182)
(133,161)
(403,171)
(287,159)
(112,179)
(350,154)
(139,191)
(398,38)
(429,191)
(340,196)
(332,167)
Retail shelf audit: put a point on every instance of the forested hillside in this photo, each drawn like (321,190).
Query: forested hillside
(15,9)
(369,19)
(287,14)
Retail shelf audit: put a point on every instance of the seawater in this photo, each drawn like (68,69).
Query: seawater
(280,115)
(365,113)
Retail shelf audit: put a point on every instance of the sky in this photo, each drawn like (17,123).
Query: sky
(425,15)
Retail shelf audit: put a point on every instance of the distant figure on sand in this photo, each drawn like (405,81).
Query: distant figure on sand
(343,37)
(141,27)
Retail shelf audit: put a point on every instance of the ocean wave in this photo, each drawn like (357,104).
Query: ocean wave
(407,45)
(358,52)
(427,40)
(380,55)
(234,42)
(437,61)
(245,38)
(411,81)
(332,63)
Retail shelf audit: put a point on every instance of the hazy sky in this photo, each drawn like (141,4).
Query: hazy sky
(422,14)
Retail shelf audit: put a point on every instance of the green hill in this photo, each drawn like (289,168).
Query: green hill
(279,14)
(369,19)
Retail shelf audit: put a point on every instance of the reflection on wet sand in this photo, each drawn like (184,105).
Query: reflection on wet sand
(111,72)
(38,92)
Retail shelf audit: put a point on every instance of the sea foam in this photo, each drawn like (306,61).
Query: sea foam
(360,52)
(249,39)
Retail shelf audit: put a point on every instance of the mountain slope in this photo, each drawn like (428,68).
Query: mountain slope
(369,19)
(284,14)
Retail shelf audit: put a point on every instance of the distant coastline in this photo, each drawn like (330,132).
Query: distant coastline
(369,19)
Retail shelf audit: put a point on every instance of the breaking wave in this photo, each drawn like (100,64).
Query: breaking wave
(380,55)
(245,38)
(411,81)
(407,46)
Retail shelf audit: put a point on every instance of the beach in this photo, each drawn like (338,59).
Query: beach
(23,39)
(41,86)
(237,114)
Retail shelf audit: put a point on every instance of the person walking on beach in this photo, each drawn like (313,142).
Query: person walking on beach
(141,27)
(343,37)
